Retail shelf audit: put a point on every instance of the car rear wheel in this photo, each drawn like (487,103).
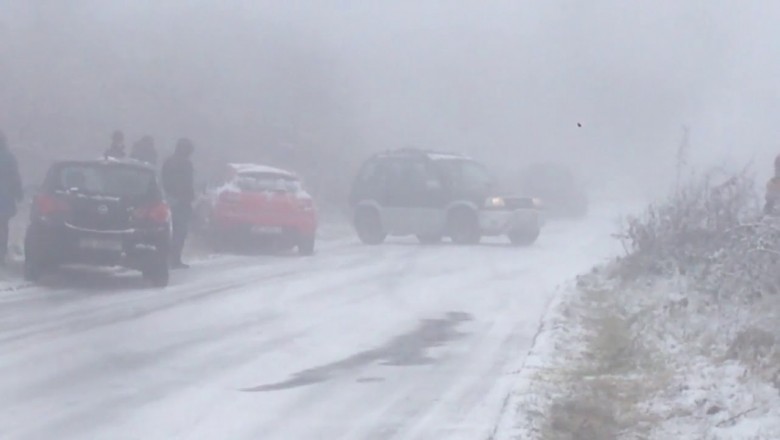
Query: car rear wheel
(306,246)
(463,227)
(158,273)
(368,225)
(33,269)
(524,237)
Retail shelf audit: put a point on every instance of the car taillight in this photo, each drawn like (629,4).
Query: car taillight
(46,205)
(158,213)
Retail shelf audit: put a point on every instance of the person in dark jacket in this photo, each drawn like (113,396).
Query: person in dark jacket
(144,150)
(10,193)
(178,180)
(117,148)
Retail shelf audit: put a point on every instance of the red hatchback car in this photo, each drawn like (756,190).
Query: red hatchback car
(259,203)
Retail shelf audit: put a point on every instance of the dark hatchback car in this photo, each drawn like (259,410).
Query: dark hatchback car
(435,195)
(99,213)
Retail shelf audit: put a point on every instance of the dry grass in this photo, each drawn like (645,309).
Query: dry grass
(603,389)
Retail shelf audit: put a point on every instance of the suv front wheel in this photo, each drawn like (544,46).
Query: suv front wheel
(368,225)
(524,237)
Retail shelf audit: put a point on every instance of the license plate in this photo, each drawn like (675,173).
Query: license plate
(264,230)
(100,244)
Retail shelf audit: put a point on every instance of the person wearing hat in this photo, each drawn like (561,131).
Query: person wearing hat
(178,180)
(117,148)
(144,150)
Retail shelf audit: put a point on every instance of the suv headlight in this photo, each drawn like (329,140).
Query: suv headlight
(495,202)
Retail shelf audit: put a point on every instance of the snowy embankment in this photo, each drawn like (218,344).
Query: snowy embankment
(649,359)
(678,340)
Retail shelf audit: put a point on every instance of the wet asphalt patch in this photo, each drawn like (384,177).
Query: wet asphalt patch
(409,349)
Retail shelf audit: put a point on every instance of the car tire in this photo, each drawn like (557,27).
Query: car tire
(368,225)
(306,246)
(158,273)
(429,239)
(524,237)
(463,227)
(33,269)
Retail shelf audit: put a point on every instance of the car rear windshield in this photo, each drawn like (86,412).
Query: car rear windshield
(104,179)
(262,182)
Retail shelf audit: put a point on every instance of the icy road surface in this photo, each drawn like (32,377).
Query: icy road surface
(397,341)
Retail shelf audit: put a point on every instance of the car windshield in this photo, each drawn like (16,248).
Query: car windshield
(467,174)
(100,179)
(262,182)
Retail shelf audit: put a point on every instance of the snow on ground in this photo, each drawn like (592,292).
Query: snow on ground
(652,359)
(395,341)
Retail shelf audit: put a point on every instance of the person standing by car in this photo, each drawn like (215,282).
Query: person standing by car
(10,193)
(117,148)
(178,179)
(144,150)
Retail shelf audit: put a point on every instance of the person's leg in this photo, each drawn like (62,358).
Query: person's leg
(180,218)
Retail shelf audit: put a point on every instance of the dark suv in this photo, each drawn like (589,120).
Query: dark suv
(99,213)
(435,195)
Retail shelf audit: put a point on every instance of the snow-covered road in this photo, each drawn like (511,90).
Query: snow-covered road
(398,341)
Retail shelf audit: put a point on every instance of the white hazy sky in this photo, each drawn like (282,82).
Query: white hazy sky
(503,80)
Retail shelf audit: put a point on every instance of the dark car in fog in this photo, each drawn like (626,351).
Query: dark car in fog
(435,195)
(560,191)
(99,213)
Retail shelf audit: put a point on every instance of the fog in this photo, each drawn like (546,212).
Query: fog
(319,85)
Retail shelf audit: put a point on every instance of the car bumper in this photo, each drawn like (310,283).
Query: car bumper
(265,226)
(501,222)
(65,244)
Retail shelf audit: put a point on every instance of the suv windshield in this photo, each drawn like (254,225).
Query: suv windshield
(466,174)
(261,182)
(100,179)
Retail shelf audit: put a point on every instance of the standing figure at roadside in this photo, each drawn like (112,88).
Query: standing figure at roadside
(117,148)
(773,190)
(145,151)
(10,193)
(178,179)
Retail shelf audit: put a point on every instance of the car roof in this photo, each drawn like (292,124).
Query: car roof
(429,154)
(106,161)
(257,168)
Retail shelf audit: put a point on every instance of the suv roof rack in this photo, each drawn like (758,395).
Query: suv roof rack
(410,151)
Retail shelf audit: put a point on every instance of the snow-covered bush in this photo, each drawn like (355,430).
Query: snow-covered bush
(710,230)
